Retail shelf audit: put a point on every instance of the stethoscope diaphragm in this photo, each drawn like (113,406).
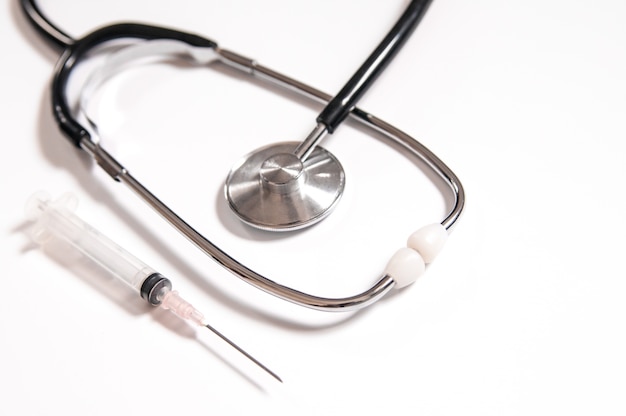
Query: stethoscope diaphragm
(273,189)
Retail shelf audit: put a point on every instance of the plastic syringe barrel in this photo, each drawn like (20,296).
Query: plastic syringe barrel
(55,219)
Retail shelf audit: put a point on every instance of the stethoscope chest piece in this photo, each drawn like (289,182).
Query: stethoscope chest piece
(273,189)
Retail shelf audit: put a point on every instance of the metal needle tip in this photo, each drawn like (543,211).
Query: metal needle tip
(235,346)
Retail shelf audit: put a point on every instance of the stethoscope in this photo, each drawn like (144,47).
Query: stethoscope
(284,186)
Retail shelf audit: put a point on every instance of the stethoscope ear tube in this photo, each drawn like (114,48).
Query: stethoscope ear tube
(402,269)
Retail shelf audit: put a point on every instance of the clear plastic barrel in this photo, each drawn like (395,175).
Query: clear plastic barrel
(56,219)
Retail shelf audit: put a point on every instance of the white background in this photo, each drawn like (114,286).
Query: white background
(522,313)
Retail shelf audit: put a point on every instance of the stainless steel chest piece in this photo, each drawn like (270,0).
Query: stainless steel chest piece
(274,189)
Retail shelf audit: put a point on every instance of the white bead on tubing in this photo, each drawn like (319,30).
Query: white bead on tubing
(405,267)
(428,241)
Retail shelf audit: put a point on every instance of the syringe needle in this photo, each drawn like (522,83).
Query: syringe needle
(170,300)
(238,348)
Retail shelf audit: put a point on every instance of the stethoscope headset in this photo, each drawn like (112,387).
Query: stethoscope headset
(285,186)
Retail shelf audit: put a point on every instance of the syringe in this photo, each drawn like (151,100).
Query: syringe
(55,219)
